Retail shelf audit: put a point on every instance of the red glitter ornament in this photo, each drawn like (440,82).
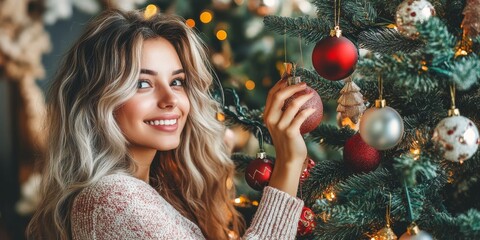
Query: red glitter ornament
(258,172)
(315,102)
(334,58)
(359,156)
(306,224)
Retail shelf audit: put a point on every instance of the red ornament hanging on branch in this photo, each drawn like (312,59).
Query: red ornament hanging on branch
(306,170)
(258,172)
(315,102)
(335,57)
(359,156)
(306,224)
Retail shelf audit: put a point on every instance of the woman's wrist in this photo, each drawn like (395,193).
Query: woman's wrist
(286,176)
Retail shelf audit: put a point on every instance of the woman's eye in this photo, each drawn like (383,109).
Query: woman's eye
(143,84)
(178,82)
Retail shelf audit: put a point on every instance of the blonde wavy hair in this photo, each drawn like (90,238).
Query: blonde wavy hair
(97,75)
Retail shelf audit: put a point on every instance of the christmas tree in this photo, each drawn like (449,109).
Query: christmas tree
(409,161)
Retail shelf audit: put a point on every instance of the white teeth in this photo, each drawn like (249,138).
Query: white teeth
(162,122)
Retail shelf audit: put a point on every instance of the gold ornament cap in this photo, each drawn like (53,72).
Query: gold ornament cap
(413,229)
(289,74)
(453,112)
(336,32)
(380,103)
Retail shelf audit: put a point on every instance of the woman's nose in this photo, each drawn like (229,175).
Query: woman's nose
(167,99)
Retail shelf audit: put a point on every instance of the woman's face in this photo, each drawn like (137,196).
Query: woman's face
(155,116)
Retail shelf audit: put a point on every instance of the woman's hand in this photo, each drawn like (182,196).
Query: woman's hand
(284,128)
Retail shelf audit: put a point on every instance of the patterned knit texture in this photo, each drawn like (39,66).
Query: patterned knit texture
(124,207)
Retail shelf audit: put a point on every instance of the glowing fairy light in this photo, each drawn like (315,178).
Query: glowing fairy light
(190,22)
(250,85)
(206,17)
(150,10)
(221,35)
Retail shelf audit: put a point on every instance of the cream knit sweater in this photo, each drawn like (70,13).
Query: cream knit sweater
(124,207)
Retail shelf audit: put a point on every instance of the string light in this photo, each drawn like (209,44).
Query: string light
(150,11)
(243,201)
(221,118)
(329,194)
(415,150)
(190,22)
(348,122)
(250,85)
(391,25)
(221,35)
(206,16)
(424,65)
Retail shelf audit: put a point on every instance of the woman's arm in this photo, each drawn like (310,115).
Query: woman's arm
(284,127)
(279,210)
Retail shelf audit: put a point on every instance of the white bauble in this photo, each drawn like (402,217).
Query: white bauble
(458,136)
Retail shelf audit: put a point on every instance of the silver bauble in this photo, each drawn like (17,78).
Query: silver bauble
(381,128)
(421,235)
(411,12)
(458,136)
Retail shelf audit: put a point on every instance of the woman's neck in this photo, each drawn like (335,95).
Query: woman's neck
(143,160)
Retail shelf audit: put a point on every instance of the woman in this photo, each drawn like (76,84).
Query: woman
(135,150)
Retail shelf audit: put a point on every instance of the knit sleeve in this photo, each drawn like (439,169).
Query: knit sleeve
(277,216)
(124,209)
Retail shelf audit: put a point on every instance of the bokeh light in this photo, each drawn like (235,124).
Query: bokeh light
(206,17)
(221,35)
(250,85)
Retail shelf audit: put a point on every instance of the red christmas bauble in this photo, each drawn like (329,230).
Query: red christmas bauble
(315,102)
(334,58)
(359,156)
(306,224)
(258,173)
(306,171)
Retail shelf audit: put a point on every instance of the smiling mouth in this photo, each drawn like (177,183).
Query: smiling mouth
(168,122)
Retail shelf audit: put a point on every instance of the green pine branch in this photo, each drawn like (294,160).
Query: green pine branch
(309,29)
(387,41)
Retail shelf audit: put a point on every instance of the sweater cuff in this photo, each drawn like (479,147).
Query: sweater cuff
(277,215)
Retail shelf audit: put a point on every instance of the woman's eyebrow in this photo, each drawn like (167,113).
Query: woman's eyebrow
(154,73)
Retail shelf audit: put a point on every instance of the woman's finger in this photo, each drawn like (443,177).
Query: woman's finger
(278,86)
(293,109)
(297,122)
(276,101)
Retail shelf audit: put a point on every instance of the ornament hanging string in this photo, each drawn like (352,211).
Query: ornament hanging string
(387,215)
(452,95)
(380,87)
(453,111)
(336,10)
(260,139)
(336,19)
(409,203)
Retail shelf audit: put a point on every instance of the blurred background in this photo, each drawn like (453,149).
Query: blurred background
(34,34)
